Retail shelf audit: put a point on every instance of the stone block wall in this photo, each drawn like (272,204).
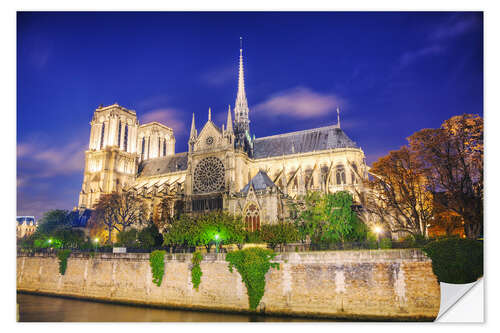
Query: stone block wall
(366,285)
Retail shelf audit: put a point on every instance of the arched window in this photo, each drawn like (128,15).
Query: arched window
(309,178)
(164,147)
(340,175)
(252,218)
(125,138)
(354,178)
(159,147)
(102,134)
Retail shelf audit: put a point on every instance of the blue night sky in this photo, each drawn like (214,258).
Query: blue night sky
(391,74)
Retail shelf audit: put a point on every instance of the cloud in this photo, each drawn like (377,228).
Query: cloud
(412,56)
(455,26)
(220,76)
(439,39)
(168,116)
(38,160)
(299,102)
(44,174)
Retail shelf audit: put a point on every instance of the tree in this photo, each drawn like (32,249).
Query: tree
(399,195)
(163,215)
(149,237)
(70,238)
(118,211)
(327,218)
(181,232)
(452,159)
(53,220)
(127,238)
(201,230)
(280,233)
(339,216)
(308,216)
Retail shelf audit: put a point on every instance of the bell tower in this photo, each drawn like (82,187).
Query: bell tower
(112,158)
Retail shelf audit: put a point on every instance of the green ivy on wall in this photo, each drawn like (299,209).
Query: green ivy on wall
(63,255)
(157,263)
(196,272)
(252,264)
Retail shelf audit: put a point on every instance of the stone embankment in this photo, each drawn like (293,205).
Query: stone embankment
(359,285)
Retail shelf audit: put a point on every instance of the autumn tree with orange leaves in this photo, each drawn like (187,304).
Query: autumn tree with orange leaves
(452,161)
(439,172)
(399,196)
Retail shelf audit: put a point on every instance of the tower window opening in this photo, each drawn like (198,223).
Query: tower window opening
(125,138)
(164,147)
(102,134)
(119,133)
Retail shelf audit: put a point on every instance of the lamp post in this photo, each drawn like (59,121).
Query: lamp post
(50,243)
(217,243)
(378,230)
(96,241)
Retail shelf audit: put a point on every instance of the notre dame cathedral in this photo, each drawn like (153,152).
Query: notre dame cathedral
(223,168)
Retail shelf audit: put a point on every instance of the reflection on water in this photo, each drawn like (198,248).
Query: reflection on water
(34,308)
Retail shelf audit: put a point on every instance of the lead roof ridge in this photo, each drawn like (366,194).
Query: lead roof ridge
(298,132)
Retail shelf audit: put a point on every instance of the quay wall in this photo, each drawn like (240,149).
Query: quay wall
(362,285)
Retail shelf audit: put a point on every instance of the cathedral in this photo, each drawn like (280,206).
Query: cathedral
(224,168)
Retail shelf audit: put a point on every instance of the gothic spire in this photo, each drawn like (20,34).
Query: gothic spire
(209,113)
(229,124)
(193,129)
(241,105)
(241,98)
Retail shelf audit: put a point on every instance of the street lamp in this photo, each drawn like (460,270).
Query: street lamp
(378,230)
(96,241)
(217,243)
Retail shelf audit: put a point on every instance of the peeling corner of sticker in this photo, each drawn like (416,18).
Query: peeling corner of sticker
(451,294)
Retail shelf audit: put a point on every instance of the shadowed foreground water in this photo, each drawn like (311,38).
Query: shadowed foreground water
(35,308)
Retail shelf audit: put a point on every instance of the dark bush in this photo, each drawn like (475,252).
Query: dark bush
(149,237)
(456,260)
(127,238)
(253,237)
(385,243)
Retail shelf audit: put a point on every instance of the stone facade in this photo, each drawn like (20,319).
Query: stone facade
(25,226)
(370,285)
(219,164)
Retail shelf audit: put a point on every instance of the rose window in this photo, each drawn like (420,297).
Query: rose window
(209,175)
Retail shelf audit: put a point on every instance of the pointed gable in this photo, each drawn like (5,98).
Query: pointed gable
(260,181)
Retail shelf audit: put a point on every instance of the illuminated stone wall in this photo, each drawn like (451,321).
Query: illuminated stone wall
(383,284)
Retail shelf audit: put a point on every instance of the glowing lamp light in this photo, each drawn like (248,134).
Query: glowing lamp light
(217,236)
(378,229)
(96,240)
(50,241)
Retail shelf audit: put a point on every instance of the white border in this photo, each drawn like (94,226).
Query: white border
(8,88)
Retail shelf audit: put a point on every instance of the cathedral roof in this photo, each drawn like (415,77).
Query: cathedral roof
(321,138)
(260,181)
(161,165)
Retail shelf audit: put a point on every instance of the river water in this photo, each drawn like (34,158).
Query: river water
(35,308)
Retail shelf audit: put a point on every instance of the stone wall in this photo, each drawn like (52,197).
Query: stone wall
(367,285)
